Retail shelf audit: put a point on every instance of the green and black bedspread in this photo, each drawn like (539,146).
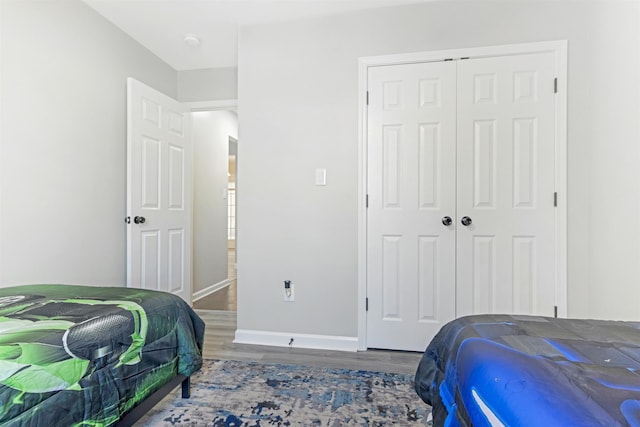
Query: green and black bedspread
(84,356)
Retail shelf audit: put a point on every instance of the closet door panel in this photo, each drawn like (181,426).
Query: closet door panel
(411,187)
(505,185)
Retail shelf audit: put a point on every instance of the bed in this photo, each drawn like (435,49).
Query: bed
(502,370)
(91,356)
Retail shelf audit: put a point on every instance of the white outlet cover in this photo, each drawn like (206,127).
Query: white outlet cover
(291,296)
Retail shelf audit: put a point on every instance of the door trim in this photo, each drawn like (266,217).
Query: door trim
(559,49)
(213,105)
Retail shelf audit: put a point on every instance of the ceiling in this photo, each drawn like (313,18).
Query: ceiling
(160,25)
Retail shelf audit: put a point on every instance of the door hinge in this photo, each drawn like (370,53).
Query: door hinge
(555,199)
(128,220)
(366,304)
(555,311)
(366,201)
(367,97)
(555,85)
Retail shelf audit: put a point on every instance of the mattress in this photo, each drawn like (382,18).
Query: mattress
(501,370)
(84,356)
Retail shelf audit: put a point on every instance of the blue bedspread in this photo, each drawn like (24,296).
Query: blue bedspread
(501,370)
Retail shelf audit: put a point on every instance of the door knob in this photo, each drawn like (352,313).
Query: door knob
(139,220)
(466,221)
(447,221)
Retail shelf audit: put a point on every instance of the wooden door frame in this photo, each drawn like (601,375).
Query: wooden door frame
(559,49)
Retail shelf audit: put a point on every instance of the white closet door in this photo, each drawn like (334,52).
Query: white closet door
(411,188)
(506,257)
(159,185)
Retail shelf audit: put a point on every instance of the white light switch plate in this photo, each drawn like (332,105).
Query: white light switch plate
(321,176)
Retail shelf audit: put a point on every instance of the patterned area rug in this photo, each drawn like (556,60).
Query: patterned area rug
(249,394)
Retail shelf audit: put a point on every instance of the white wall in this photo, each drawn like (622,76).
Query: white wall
(211,131)
(298,108)
(208,84)
(63,141)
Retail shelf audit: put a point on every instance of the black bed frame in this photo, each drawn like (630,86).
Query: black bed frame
(145,406)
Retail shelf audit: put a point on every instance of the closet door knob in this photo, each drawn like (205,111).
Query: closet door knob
(447,221)
(466,221)
(139,220)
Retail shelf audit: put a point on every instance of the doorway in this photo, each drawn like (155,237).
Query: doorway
(215,154)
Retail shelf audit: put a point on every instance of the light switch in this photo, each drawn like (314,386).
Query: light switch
(321,176)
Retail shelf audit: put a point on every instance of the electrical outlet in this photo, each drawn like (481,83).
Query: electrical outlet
(288,291)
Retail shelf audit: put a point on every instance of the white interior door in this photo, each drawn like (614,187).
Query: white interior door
(506,256)
(411,188)
(473,140)
(159,186)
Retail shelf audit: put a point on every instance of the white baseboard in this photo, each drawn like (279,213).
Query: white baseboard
(210,289)
(282,339)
